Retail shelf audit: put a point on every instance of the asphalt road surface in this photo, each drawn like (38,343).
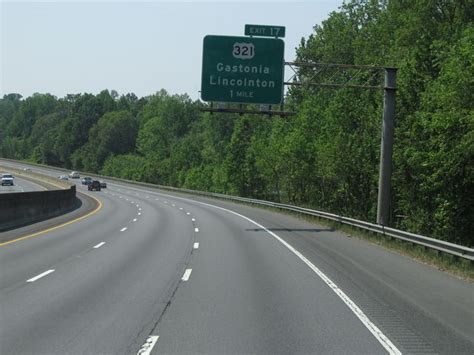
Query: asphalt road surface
(21,185)
(158,272)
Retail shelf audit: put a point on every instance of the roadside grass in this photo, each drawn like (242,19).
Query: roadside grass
(451,264)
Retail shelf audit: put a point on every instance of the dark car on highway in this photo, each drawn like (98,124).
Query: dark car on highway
(86,181)
(94,185)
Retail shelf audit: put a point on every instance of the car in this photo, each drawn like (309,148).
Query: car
(74,175)
(7,179)
(103,184)
(94,185)
(27,169)
(86,181)
(63,177)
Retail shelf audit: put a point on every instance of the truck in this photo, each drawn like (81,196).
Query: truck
(7,179)
(94,185)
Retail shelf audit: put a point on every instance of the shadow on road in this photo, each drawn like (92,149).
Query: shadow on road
(315,230)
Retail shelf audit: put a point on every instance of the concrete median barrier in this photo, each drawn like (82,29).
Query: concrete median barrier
(21,208)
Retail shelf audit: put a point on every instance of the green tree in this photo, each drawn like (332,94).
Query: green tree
(115,133)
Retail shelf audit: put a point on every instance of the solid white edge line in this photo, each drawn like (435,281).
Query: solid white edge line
(99,245)
(123,229)
(148,346)
(376,332)
(196,245)
(33,279)
(187,274)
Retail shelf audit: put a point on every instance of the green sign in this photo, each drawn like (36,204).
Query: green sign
(265,31)
(242,69)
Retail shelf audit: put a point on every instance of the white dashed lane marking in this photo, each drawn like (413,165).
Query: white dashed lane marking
(196,246)
(33,279)
(123,229)
(187,274)
(148,346)
(196,230)
(99,245)
(381,338)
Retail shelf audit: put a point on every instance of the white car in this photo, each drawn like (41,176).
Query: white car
(7,179)
(74,175)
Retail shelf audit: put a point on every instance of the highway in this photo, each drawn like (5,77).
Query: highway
(158,272)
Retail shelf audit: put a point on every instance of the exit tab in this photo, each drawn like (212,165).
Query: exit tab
(265,31)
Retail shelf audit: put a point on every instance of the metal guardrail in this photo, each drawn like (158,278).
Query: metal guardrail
(431,243)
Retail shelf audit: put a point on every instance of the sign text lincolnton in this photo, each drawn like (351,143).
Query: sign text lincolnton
(242,69)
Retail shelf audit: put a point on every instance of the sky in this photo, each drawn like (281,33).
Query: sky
(70,47)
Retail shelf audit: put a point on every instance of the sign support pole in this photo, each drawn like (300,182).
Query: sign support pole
(386,149)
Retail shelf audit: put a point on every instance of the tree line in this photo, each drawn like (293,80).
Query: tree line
(325,157)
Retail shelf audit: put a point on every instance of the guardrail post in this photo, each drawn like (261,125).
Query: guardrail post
(385,174)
